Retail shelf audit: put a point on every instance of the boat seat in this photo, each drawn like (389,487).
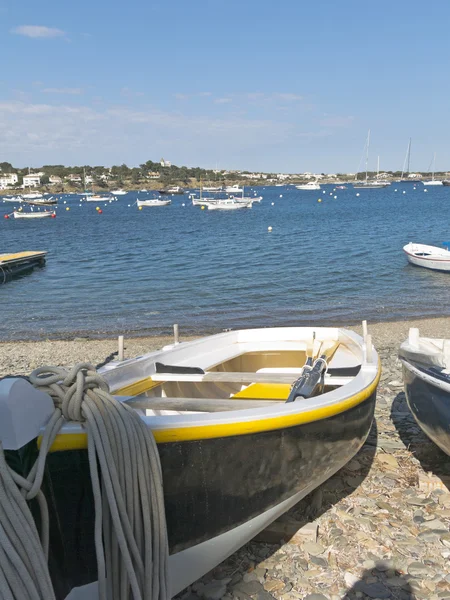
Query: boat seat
(193,404)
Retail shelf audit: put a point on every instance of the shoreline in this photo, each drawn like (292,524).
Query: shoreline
(431,324)
(20,357)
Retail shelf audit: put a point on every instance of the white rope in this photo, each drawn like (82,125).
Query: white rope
(130,529)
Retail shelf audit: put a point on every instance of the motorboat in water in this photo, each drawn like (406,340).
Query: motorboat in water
(311,185)
(430,257)
(41,202)
(233,189)
(229,204)
(426,375)
(32,195)
(153,202)
(119,192)
(33,215)
(247,423)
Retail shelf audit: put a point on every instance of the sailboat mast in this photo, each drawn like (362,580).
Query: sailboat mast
(367,154)
(434,166)
(378,166)
(409,154)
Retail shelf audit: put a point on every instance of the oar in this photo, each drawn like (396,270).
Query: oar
(308,382)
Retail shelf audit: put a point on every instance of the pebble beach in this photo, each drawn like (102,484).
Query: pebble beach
(379,528)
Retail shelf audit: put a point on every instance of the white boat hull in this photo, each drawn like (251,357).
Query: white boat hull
(37,215)
(433,182)
(429,257)
(309,186)
(153,202)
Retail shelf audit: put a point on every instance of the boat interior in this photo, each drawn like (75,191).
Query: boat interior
(232,375)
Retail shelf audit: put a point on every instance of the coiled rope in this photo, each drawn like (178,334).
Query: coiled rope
(130,529)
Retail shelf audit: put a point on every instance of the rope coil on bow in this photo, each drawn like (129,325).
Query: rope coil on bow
(130,529)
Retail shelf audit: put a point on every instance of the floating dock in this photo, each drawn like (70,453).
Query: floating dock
(12,265)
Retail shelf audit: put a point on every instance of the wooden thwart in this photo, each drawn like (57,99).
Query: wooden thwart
(231,377)
(195,404)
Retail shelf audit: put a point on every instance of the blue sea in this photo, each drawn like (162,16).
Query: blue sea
(139,271)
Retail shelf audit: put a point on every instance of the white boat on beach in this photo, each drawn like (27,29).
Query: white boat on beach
(33,215)
(430,257)
(240,426)
(153,202)
(311,185)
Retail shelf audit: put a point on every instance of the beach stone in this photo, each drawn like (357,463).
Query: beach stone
(444,499)
(350,579)
(434,524)
(273,585)
(249,587)
(373,590)
(418,569)
(388,459)
(313,548)
(215,590)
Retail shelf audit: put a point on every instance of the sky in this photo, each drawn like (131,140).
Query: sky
(287,86)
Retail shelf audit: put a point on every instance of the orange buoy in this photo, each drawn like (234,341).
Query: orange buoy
(53,216)
(100,211)
(6,217)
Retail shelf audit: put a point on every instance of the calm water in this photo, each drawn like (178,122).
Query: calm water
(141,271)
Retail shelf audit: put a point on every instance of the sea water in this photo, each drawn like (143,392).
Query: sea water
(139,271)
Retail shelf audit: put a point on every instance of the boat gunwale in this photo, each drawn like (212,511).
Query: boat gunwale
(196,426)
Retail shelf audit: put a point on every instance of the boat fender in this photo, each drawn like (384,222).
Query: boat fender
(24,411)
(161,368)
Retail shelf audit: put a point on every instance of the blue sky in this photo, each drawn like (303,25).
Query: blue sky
(286,86)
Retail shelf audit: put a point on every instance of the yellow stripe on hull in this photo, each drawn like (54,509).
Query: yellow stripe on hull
(181,434)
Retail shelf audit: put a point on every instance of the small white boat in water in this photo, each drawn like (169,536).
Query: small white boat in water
(119,192)
(33,215)
(98,198)
(233,189)
(430,257)
(229,204)
(153,202)
(32,195)
(311,185)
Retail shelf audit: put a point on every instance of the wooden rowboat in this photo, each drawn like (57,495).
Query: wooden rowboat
(239,444)
(33,215)
(430,257)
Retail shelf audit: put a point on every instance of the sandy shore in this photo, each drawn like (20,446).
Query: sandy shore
(20,358)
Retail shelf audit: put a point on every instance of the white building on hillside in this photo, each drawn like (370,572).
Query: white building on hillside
(8,179)
(165,163)
(32,180)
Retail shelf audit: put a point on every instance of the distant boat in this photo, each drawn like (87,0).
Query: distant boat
(405,178)
(98,198)
(433,181)
(33,215)
(430,257)
(212,189)
(369,184)
(228,204)
(32,195)
(42,202)
(341,187)
(153,202)
(446,182)
(233,189)
(311,185)
(119,192)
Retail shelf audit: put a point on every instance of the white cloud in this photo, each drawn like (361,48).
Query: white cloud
(222,100)
(70,91)
(47,132)
(38,31)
